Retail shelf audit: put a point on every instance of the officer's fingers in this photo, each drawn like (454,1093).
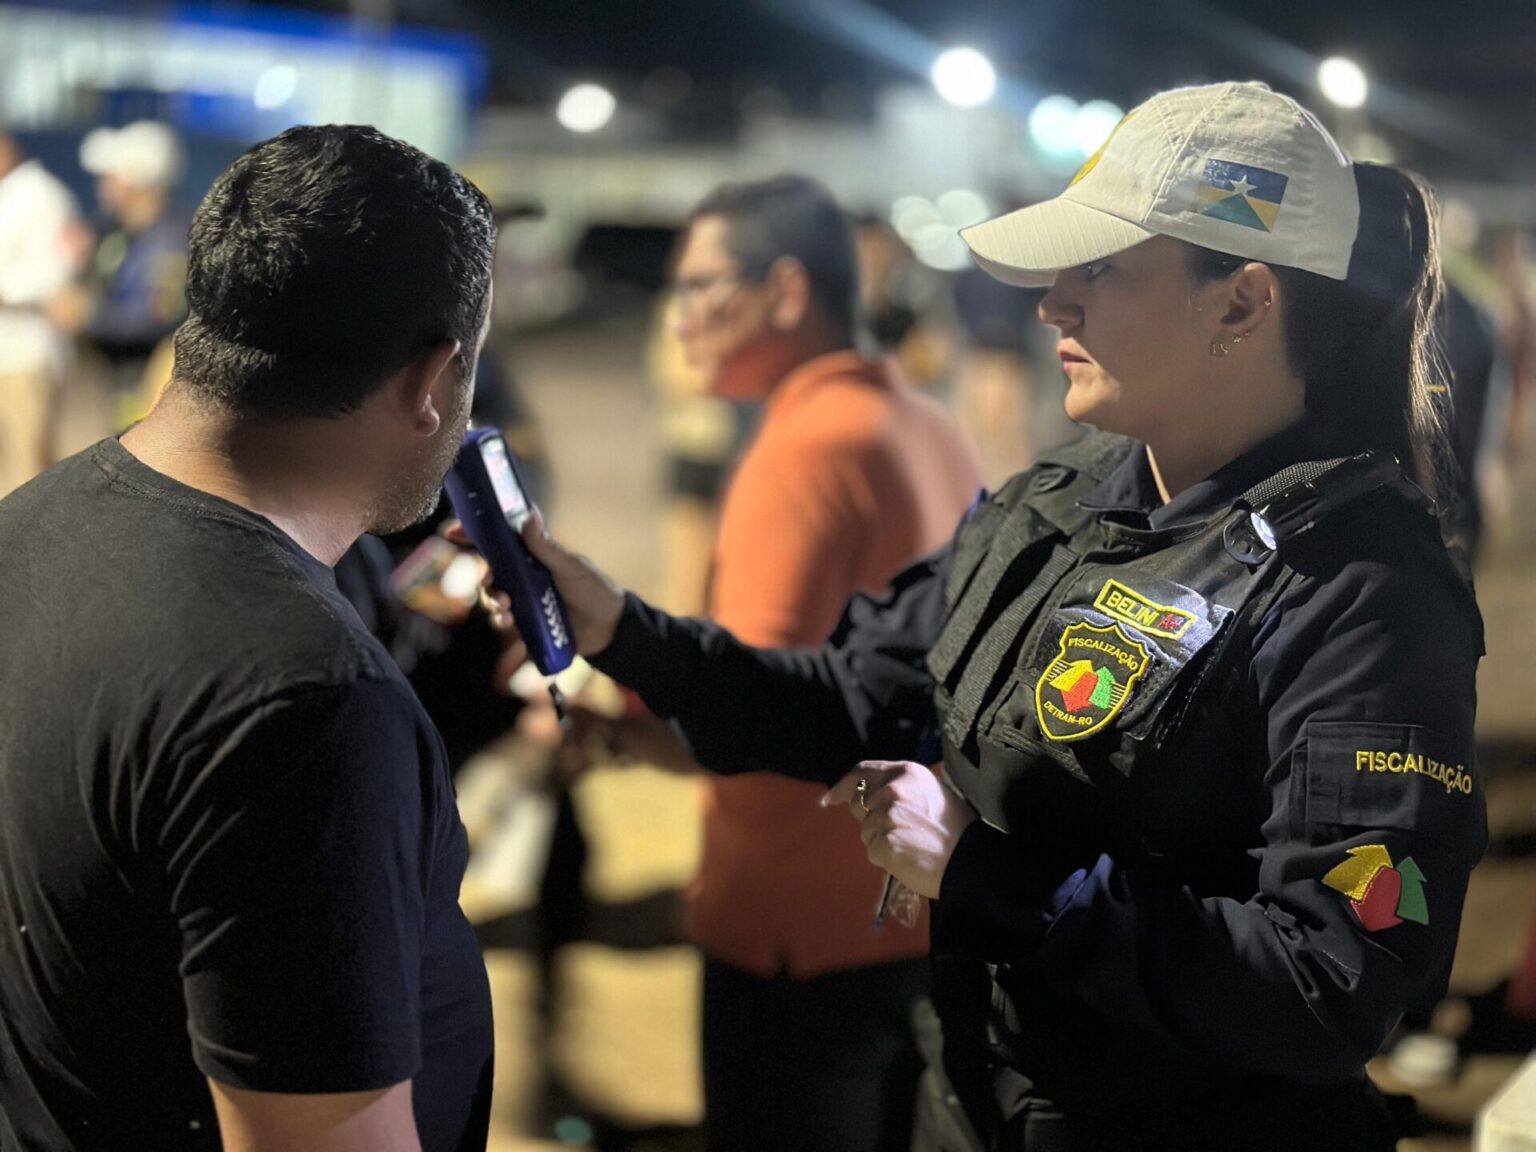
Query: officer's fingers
(549,551)
(882,800)
(878,825)
(453,530)
(507,665)
(873,828)
(880,849)
(883,774)
(498,607)
(880,853)
(844,790)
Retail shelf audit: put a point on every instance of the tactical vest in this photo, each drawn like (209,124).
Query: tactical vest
(1087,674)
(1090,686)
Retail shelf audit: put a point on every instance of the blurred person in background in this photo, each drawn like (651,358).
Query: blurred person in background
(1468,341)
(43,244)
(905,305)
(1205,680)
(807,1008)
(702,435)
(229,906)
(135,295)
(1005,395)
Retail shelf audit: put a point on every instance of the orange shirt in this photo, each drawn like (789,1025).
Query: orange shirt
(852,476)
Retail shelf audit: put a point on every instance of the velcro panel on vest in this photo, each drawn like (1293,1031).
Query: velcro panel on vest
(1006,553)
(997,643)
(999,538)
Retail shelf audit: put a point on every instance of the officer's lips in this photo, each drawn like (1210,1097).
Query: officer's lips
(1070,356)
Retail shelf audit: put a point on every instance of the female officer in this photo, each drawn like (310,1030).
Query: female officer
(1202,682)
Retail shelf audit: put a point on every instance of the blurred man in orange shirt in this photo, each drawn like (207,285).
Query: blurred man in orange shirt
(852,475)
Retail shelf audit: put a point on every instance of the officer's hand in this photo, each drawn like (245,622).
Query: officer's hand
(593,602)
(909,821)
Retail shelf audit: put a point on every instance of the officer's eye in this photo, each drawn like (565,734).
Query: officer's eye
(1094,269)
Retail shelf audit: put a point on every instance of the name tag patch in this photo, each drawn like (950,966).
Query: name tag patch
(1120,602)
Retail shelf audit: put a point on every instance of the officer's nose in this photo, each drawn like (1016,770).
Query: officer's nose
(1059,307)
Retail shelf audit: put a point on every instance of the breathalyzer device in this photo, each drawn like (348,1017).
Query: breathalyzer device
(488,497)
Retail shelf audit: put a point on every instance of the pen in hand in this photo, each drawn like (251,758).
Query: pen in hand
(884,906)
(890,890)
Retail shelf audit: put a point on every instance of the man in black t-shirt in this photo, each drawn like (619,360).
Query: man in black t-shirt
(229,851)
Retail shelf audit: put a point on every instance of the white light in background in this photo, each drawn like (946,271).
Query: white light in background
(1092,124)
(1053,126)
(586,108)
(275,87)
(1342,81)
(964,77)
(962,207)
(911,214)
(939,246)
(1371,147)
(932,228)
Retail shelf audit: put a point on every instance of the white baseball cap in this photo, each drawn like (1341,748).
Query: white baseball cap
(145,152)
(1233,167)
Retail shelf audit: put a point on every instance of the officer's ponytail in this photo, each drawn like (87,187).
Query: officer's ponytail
(1366,346)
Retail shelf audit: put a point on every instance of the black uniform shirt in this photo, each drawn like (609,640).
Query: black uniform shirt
(1357,735)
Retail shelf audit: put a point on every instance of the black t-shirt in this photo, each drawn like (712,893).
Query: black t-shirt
(228,843)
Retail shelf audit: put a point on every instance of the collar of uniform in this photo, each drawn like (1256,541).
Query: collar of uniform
(844,365)
(1131,487)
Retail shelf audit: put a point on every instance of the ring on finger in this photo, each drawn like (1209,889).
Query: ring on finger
(863,794)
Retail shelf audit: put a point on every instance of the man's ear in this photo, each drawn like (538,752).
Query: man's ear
(791,286)
(417,385)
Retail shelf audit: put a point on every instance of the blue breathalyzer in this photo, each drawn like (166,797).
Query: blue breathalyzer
(487,495)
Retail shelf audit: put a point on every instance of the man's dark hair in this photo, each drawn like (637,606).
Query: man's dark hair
(796,217)
(321,262)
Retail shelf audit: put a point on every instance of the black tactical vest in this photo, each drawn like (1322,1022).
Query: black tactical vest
(1088,671)
(1090,682)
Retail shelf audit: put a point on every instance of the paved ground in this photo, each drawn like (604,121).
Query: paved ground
(620,1034)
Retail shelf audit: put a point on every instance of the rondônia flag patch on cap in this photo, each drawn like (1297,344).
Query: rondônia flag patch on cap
(1381,894)
(1241,194)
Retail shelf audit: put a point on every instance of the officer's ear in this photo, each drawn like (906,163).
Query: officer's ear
(790,285)
(1248,303)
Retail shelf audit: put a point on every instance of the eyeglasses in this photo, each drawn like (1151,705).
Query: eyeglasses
(695,290)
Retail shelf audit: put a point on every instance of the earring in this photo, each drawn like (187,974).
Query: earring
(1219,346)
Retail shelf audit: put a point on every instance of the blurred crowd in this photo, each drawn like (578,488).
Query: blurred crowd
(91,294)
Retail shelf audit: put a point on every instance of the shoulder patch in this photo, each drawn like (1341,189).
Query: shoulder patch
(1089,681)
(1381,895)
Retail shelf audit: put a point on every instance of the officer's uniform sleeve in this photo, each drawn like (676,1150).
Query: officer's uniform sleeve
(866,694)
(1372,817)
